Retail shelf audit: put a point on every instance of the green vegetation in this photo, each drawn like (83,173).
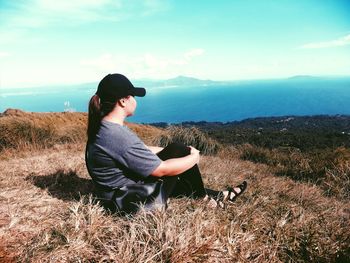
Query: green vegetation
(305,133)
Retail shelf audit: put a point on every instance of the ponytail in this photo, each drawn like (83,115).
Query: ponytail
(94,117)
(97,110)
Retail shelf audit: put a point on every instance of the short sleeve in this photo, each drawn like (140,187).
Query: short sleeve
(140,159)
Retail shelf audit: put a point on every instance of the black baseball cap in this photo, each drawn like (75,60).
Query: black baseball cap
(116,86)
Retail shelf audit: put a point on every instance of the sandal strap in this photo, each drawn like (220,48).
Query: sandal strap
(220,197)
(231,199)
(241,186)
(232,190)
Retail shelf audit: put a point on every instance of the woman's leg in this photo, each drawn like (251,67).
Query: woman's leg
(188,183)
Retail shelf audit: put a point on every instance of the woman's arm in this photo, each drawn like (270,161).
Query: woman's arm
(177,166)
(154,149)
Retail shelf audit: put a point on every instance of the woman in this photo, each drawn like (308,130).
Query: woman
(125,171)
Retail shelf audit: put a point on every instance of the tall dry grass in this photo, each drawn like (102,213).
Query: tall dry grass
(22,131)
(276,220)
(328,168)
(189,136)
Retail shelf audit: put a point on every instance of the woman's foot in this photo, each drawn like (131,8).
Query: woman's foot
(232,193)
(226,196)
(213,203)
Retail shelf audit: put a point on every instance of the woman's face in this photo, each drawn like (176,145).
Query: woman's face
(131,105)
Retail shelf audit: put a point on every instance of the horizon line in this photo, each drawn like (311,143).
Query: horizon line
(186,76)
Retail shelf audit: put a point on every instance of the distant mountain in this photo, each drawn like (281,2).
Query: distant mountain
(187,81)
(177,81)
(304,77)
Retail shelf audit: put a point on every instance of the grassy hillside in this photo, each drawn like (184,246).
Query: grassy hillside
(46,214)
(24,130)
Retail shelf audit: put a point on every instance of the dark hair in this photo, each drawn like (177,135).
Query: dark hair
(97,110)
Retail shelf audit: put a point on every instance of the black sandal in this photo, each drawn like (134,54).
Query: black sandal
(220,197)
(231,190)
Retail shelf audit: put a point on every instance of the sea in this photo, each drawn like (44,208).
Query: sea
(218,102)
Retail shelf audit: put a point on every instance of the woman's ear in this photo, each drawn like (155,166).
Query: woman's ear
(122,101)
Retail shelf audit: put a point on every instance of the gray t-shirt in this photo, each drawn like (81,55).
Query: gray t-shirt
(118,157)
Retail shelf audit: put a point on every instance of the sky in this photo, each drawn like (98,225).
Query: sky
(50,42)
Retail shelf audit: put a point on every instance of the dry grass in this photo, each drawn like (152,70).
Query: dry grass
(46,215)
(22,131)
(329,168)
(189,136)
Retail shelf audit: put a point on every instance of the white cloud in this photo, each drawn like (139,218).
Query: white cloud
(194,52)
(44,13)
(147,65)
(327,44)
(154,6)
(4,54)
(79,10)
(105,62)
(88,70)
(73,4)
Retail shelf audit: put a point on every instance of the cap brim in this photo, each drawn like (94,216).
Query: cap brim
(139,92)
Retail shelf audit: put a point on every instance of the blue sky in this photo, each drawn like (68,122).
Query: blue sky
(50,42)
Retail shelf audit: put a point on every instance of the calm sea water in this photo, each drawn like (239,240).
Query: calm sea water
(229,102)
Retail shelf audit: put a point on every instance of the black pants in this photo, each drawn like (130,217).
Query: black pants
(188,183)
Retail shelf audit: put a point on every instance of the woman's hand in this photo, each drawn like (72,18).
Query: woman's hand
(195,152)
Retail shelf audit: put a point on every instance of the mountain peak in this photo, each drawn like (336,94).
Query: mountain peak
(182,77)
(301,77)
(188,81)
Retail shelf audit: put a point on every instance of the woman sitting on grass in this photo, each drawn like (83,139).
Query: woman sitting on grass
(125,171)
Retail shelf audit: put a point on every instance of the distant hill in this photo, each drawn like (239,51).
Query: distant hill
(177,81)
(316,78)
(303,77)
